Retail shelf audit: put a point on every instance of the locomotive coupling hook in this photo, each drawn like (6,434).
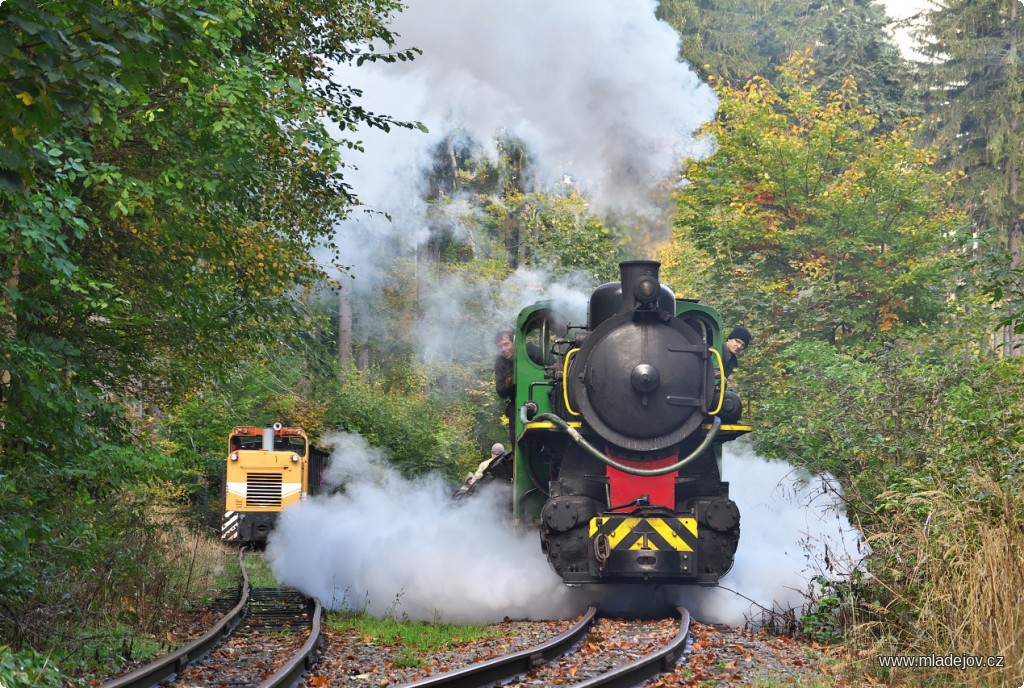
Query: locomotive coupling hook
(642,500)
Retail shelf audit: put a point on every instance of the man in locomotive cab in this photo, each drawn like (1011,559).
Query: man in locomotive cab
(735,344)
(504,371)
(504,364)
(504,379)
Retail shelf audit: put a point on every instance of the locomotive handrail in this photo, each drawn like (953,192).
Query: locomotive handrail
(721,386)
(632,470)
(565,380)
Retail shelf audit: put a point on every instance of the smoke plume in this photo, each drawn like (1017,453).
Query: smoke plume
(594,87)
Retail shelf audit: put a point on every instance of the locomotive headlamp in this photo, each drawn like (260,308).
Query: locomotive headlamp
(234,456)
(646,290)
(295,458)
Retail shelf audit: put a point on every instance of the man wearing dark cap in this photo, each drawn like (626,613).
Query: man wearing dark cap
(737,342)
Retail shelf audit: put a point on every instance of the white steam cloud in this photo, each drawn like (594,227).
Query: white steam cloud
(395,546)
(388,545)
(594,87)
(791,529)
(447,333)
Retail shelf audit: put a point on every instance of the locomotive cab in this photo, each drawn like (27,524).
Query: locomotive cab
(619,434)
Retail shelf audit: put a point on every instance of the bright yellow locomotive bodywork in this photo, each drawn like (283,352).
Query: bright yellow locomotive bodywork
(268,469)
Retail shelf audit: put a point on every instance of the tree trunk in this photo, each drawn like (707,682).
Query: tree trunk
(1012,340)
(8,323)
(344,327)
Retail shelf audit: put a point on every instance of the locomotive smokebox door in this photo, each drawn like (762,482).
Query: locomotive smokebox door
(640,381)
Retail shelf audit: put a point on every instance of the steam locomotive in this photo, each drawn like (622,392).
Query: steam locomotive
(619,426)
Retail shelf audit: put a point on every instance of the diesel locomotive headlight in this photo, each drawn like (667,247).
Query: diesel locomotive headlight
(295,458)
(234,456)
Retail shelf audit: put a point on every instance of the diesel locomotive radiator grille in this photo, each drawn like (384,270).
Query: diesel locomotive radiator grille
(263,489)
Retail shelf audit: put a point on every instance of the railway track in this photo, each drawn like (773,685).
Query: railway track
(259,642)
(611,653)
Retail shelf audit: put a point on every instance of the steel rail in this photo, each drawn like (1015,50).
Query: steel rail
(174,663)
(487,673)
(291,673)
(649,666)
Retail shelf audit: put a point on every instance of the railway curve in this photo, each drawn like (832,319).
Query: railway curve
(234,651)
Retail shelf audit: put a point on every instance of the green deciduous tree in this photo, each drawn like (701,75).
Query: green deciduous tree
(817,227)
(555,232)
(166,170)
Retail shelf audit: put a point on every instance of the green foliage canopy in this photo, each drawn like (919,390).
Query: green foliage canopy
(179,206)
(165,173)
(817,227)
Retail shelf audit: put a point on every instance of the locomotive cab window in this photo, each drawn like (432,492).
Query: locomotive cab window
(247,442)
(539,337)
(292,444)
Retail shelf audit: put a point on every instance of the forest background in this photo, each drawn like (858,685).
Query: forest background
(163,236)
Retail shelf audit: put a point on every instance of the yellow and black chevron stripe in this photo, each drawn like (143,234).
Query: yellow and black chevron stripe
(657,533)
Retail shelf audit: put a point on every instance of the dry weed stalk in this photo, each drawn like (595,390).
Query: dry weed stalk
(956,581)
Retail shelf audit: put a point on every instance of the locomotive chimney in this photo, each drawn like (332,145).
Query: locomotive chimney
(640,285)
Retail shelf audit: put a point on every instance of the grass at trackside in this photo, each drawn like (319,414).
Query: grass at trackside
(258,567)
(198,570)
(409,636)
(104,650)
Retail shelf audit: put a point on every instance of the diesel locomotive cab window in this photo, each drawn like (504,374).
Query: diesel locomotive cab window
(292,444)
(247,442)
(540,334)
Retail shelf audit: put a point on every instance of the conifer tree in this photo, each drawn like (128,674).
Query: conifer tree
(735,40)
(848,39)
(975,103)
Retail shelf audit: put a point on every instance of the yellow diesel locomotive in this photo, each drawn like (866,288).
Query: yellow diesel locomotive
(268,469)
